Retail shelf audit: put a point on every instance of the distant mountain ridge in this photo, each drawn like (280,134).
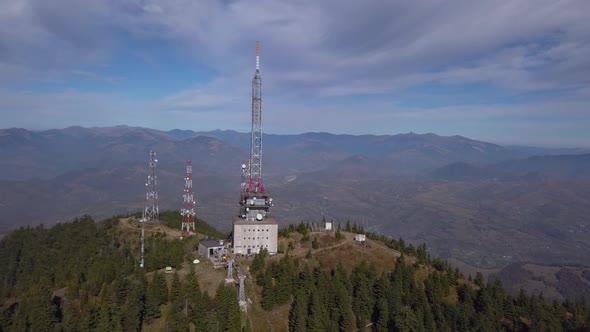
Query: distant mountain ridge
(27,154)
(528,168)
(424,187)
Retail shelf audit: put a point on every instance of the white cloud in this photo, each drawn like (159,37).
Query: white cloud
(311,50)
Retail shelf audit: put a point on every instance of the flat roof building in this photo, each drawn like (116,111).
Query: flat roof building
(209,248)
(251,236)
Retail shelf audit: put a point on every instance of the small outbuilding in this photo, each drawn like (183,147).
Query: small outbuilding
(360,237)
(210,248)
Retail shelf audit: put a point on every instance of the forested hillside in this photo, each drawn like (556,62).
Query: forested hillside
(415,293)
(84,276)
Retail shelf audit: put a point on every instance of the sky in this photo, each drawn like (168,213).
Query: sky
(510,72)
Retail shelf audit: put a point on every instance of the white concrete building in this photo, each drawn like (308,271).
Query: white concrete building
(251,236)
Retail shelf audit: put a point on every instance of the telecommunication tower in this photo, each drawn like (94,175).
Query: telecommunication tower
(188,212)
(255,184)
(255,202)
(151,211)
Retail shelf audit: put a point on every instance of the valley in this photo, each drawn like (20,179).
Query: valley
(480,205)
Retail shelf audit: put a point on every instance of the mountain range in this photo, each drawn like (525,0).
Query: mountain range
(481,205)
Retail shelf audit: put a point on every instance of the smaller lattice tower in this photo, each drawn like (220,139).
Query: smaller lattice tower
(230,271)
(151,211)
(242,293)
(188,211)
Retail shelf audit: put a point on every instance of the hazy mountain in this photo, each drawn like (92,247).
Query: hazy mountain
(45,154)
(544,151)
(27,154)
(390,183)
(525,169)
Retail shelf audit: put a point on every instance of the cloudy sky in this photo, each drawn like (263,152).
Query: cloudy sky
(503,71)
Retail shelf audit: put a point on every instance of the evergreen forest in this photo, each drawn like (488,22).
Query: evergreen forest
(85,276)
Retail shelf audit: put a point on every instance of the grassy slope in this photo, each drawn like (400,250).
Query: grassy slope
(330,252)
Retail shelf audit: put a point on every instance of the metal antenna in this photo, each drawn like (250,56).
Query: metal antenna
(188,212)
(255,184)
(244,189)
(151,211)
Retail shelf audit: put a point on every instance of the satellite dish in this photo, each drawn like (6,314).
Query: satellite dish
(247,209)
(259,217)
(156,160)
(243,166)
(270,199)
(253,198)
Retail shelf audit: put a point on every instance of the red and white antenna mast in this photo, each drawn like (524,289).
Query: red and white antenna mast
(255,183)
(188,212)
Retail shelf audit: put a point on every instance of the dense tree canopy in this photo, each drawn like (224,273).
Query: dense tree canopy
(84,276)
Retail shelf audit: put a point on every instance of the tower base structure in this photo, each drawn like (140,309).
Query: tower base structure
(250,236)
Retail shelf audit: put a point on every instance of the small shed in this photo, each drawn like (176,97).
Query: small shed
(209,248)
(328,225)
(360,238)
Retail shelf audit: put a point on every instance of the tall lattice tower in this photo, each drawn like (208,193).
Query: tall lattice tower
(151,211)
(188,212)
(255,202)
(255,184)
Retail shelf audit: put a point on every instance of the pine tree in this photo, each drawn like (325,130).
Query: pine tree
(134,313)
(363,300)
(316,313)
(228,308)
(298,312)
(158,288)
(406,320)
(175,288)
(105,322)
(479,280)
(382,313)
(41,310)
(201,317)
